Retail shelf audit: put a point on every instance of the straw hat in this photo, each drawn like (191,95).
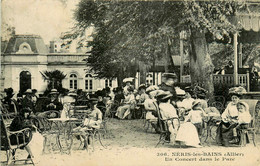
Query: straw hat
(129,79)
(54,91)
(28,91)
(180,92)
(151,88)
(142,86)
(237,91)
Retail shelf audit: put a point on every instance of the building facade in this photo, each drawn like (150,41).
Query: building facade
(26,56)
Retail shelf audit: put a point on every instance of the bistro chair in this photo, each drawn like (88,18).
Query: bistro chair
(164,130)
(23,137)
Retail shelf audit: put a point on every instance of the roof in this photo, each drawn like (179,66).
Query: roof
(26,44)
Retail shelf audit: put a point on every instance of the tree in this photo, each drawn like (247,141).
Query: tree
(126,32)
(54,79)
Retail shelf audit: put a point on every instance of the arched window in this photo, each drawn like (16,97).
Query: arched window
(25,81)
(89,82)
(149,79)
(73,81)
(108,83)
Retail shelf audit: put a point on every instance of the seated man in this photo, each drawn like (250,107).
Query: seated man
(52,104)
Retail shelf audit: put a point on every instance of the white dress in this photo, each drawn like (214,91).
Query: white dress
(188,134)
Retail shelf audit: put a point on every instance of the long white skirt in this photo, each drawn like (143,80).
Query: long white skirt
(188,134)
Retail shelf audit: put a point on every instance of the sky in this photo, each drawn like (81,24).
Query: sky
(47,18)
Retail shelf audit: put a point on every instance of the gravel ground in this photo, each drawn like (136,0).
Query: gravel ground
(127,143)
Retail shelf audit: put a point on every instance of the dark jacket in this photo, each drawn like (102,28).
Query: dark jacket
(58,105)
(165,87)
(28,104)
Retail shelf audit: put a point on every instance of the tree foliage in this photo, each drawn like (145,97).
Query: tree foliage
(54,79)
(127,32)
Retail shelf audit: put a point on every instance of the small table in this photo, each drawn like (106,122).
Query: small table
(65,127)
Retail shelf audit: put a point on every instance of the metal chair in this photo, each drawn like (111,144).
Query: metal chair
(164,128)
(23,137)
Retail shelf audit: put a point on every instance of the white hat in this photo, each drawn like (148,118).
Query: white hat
(129,79)
(28,91)
(54,91)
(179,91)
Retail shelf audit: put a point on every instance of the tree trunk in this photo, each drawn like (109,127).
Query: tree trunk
(201,67)
(142,68)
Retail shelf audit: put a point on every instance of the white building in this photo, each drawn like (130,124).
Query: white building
(25,56)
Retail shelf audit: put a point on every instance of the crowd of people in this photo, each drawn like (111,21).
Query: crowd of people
(184,114)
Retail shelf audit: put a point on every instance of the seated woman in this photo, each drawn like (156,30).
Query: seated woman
(229,118)
(168,111)
(124,111)
(150,106)
(92,121)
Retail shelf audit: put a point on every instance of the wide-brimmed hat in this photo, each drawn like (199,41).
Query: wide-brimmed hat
(180,92)
(151,88)
(9,91)
(237,91)
(72,93)
(142,86)
(129,79)
(162,95)
(170,75)
(195,103)
(28,91)
(54,91)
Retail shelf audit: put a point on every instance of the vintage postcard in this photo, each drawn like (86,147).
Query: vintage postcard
(130,83)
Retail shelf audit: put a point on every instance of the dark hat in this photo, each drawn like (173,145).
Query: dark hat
(169,75)
(9,91)
(34,90)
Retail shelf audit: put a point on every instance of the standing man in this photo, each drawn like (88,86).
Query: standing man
(168,84)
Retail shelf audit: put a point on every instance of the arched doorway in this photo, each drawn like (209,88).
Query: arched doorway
(25,81)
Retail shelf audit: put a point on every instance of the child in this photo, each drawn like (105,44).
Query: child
(196,115)
(243,119)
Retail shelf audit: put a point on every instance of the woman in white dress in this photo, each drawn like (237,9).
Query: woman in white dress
(186,133)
